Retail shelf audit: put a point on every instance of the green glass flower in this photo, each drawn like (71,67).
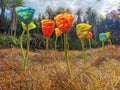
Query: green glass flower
(25,14)
(102,37)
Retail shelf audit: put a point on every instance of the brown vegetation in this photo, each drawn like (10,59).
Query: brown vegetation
(99,74)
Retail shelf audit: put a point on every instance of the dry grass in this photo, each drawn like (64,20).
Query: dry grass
(99,74)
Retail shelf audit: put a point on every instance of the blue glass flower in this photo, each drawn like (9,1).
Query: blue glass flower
(25,14)
(102,37)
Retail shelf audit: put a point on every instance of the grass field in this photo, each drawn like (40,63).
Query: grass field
(100,74)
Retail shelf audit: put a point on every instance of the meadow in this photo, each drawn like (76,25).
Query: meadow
(59,49)
(99,74)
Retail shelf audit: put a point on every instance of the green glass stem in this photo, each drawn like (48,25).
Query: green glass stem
(111,47)
(55,43)
(103,50)
(67,43)
(66,55)
(90,45)
(21,44)
(45,55)
(25,55)
(83,53)
(27,51)
(56,53)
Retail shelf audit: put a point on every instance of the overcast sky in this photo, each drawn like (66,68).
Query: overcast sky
(101,7)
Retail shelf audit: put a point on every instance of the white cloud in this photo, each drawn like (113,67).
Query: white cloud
(101,7)
(108,5)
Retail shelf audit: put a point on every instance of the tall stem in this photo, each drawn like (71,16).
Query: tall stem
(90,45)
(111,47)
(55,43)
(83,53)
(56,53)
(45,55)
(103,50)
(67,42)
(21,44)
(66,55)
(27,51)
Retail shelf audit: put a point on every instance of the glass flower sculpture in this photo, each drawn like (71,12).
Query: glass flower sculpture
(47,30)
(25,14)
(64,22)
(108,35)
(89,38)
(82,31)
(103,38)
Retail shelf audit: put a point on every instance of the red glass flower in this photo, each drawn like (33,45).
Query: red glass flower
(47,27)
(89,36)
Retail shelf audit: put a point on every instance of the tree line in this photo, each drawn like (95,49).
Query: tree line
(12,26)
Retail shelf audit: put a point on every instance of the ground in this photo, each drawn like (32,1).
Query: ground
(99,74)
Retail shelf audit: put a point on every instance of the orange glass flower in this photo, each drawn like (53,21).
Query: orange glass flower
(47,27)
(89,36)
(64,21)
(57,32)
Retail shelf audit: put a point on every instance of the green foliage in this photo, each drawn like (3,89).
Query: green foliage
(8,41)
(95,44)
(75,44)
(37,41)
(15,3)
(99,23)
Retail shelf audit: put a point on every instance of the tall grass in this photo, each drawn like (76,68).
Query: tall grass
(100,74)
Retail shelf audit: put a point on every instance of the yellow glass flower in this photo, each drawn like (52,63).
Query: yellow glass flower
(108,35)
(58,32)
(118,16)
(82,30)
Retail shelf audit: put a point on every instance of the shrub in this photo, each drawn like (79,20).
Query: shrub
(8,41)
